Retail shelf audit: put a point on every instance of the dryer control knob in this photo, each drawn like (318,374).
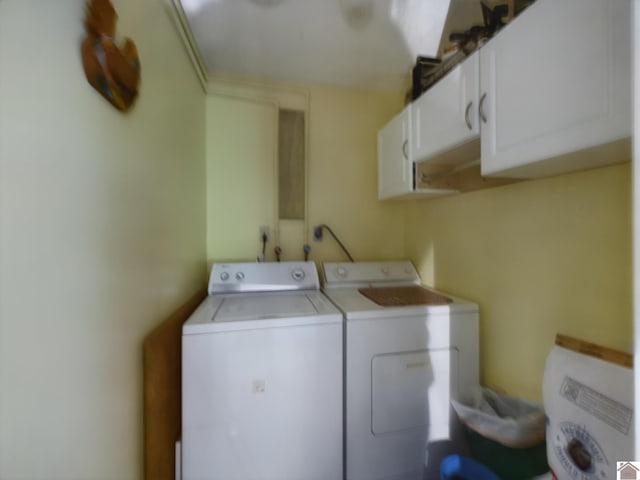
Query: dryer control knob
(341,272)
(298,274)
(239,276)
(224,276)
(385,270)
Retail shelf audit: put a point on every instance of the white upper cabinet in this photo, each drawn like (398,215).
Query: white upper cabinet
(395,164)
(555,83)
(549,94)
(446,115)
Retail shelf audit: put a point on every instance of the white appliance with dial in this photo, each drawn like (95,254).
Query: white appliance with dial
(262,377)
(408,351)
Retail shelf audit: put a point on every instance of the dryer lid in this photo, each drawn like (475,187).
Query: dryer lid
(404,296)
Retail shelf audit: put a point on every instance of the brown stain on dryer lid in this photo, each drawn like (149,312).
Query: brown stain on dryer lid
(404,296)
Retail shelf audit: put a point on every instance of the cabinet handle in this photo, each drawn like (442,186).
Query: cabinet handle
(404,149)
(483,117)
(466,116)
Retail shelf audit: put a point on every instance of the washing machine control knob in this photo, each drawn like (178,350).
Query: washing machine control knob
(341,272)
(224,276)
(239,276)
(385,270)
(298,274)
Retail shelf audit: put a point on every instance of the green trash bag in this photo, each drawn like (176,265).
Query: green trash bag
(506,434)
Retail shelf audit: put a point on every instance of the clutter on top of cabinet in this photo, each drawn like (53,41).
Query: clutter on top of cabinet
(427,71)
(421,75)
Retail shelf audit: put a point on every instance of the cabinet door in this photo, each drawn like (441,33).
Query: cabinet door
(395,167)
(446,115)
(554,81)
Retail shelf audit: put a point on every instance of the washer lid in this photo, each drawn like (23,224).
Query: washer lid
(219,313)
(239,308)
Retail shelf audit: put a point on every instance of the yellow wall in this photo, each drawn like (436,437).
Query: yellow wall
(342,175)
(540,257)
(102,229)
(241,142)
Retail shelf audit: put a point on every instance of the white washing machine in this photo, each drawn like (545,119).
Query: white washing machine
(262,377)
(408,351)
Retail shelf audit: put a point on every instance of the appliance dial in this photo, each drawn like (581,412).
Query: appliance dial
(341,272)
(298,274)
(385,270)
(239,276)
(224,276)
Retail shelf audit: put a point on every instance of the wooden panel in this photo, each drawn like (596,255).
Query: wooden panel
(604,353)
(162,386)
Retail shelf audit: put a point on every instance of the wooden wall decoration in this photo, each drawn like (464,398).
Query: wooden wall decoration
(113,71)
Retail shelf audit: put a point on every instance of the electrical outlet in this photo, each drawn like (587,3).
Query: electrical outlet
(264,232)
(317,233)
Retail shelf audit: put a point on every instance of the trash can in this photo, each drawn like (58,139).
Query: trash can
(506,434)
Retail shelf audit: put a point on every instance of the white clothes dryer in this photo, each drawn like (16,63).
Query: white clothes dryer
(262,377)
(408,351)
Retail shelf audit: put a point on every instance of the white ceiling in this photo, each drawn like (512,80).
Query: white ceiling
(362,43)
